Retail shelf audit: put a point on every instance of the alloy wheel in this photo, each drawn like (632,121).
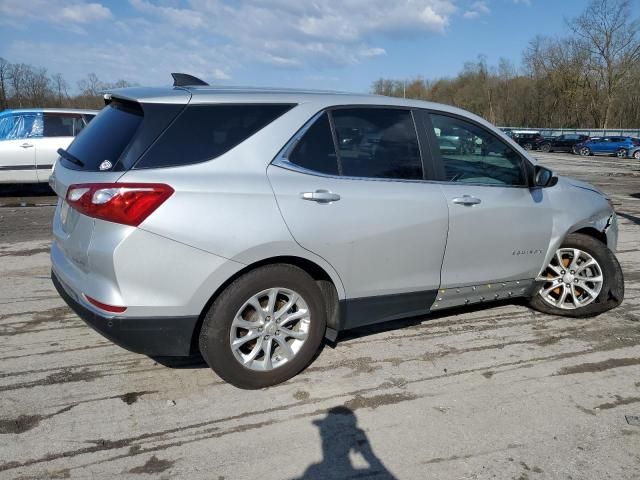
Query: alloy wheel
(270,329)
(622,153)
(573,279)
(584,151)
(636,155)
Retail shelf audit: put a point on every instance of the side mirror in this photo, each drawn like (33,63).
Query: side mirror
(543,177)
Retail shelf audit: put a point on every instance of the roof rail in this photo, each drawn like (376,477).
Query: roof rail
(186,80)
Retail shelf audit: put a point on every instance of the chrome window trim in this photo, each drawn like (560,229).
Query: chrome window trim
(282,158)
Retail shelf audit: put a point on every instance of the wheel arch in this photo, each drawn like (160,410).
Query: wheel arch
(330,288)
(592,232)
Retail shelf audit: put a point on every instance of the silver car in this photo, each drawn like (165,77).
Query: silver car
(30,138)
(249,224)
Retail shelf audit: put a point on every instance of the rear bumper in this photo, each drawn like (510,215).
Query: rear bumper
(154,336)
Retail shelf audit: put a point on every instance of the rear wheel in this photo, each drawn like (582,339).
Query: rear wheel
(265,327)
(545,147)
(621,153)
(528,146)
(636,154)
(583,279)
(585,151)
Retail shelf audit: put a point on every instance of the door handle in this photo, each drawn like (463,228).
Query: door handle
(320,196)
(26,145)
(466,200)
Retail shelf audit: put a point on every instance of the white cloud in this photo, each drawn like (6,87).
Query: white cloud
(214,38)
(477,9)
(67,14)
(523,2)
(293,33)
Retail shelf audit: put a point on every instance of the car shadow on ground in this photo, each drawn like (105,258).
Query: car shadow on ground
(413,321)
(196,361)
(342,440)
(26,190)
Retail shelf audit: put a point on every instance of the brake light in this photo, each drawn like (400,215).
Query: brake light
(104,306)
(126,203)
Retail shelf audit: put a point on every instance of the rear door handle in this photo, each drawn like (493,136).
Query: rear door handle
(466,200)
(26,145)
(320,196)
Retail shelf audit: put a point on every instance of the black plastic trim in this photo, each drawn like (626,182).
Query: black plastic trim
(154,336)
(24,167)
(358,312)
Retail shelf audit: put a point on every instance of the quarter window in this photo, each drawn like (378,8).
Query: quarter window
(377,143)
(315,150)
(471,154)
(204,132)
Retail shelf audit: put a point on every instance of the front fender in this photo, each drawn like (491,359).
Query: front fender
(576,208)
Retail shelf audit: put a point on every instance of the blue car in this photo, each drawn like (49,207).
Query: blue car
(619,146)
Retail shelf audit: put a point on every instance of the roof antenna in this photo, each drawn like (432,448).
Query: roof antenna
(186,80)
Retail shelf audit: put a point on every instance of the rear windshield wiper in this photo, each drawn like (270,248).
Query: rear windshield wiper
(72,158)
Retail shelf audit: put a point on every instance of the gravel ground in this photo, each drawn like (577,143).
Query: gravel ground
(500,392)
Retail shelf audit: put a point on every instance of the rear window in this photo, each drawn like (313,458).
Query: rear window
(107,136)
(204,132)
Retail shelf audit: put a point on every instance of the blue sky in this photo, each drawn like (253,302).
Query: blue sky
(333,44)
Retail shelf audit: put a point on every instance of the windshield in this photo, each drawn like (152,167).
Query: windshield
(20,125)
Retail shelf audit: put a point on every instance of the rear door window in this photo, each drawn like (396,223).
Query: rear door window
(59,124)
(377,143)
(204,132)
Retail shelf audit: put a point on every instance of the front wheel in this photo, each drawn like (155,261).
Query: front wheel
(265,327)
(621,153)
(528,146)
(636,154)
(583,279)
(545,147)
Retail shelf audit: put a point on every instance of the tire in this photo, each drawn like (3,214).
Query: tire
(636,154)
(528,146)
(611,293)
(621,153)
(585,151)
(217,329)
(545,147)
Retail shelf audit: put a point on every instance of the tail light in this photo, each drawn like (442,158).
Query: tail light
(126,203)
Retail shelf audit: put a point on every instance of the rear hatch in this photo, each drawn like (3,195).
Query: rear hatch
(108,147)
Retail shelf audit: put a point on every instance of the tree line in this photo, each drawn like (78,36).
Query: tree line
(26,86)
(588,79)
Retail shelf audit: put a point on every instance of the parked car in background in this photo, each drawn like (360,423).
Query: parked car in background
(562,143)
(613,145)
(30,138)
(248,224)
(527,139)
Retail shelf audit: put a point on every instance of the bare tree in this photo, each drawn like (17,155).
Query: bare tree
(60,89)
(4,83)
(612,41)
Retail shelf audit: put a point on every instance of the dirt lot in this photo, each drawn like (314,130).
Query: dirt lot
(499,392)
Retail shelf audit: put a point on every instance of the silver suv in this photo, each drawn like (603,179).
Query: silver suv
(249,224)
